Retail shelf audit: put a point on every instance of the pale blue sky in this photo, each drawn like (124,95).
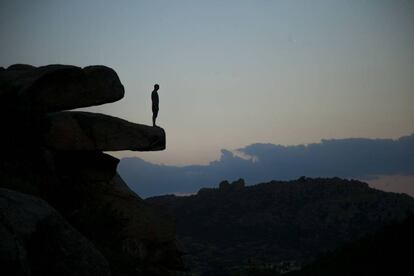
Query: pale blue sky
(236,72)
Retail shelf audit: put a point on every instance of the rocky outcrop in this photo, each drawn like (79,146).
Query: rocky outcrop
(225,185)
(56,155)
(35,238)
(60,87)
(106,207)
(84,131)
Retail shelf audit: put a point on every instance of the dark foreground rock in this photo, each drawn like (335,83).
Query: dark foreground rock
(36,239)
(130,232)
(385,252)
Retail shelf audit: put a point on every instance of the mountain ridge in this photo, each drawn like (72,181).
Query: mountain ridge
(223,228)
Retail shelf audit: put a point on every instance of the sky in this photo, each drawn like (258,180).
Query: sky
(233,72)
(385,164)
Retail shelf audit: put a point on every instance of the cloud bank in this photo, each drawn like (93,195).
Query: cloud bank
(348,158)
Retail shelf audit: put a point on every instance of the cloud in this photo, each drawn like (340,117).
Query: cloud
(349,158)
(239,153)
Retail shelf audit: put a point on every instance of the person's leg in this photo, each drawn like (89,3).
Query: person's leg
(154,117)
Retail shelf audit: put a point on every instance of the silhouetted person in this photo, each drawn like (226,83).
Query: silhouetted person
(155,104)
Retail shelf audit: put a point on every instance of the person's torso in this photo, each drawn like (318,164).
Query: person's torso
(154,97)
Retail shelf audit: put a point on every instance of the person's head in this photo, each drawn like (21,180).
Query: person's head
(156,87)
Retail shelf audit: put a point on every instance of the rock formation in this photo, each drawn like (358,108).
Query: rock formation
(225,185)
(60,87)
(84,131)
(56,155)
(35,238)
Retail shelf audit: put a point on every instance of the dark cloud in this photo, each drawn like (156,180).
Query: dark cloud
(349,158)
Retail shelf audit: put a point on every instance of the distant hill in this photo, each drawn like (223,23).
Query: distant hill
(347,158)
(386,252)
(225,228)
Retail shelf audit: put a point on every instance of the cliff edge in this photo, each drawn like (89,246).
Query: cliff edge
(56,157)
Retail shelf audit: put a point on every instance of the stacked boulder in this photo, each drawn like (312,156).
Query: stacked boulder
(96,223)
